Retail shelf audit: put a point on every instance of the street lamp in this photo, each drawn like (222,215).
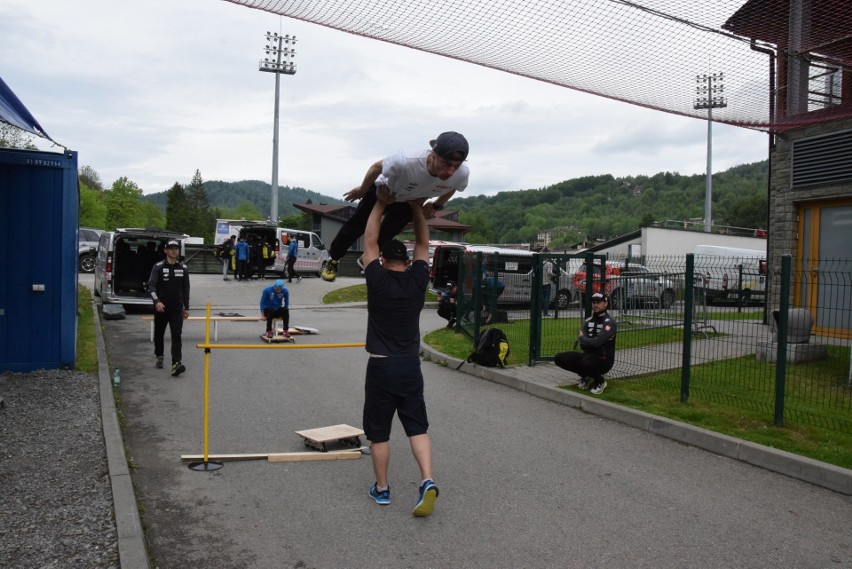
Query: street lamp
(280,51)
(709,96)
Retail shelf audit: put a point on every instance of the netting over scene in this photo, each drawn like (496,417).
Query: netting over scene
(754,63)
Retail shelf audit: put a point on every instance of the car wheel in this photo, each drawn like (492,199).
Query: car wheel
(745,298)
(562,300)
(666,299)
(87,264)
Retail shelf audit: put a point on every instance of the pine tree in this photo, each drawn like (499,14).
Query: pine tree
(176,209)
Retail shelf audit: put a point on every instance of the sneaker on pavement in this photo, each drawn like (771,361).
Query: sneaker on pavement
(380,496)
(159,364)
(226,279)
(178,368)
(583,383)
(329,273)
(598,387)
(426,504)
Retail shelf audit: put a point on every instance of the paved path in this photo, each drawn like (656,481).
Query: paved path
(525,482)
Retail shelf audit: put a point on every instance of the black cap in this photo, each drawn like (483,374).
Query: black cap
(450,146)
(599,296)
(172,243)
(394,250)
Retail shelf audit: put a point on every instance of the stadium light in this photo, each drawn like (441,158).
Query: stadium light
(280,51)
(709,96)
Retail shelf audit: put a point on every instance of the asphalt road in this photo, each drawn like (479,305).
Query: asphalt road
(524,482)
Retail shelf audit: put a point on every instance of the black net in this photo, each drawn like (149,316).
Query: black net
(757,63)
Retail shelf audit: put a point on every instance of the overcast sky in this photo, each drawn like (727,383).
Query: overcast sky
(156,90)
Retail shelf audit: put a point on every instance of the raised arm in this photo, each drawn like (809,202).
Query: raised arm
(421,231)
(369,179)
(374,223)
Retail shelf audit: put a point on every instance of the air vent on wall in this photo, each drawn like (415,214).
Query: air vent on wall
(822,160)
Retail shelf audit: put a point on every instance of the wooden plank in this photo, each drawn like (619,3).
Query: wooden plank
(219,318)
(220,457)
(332,433)
(307,456)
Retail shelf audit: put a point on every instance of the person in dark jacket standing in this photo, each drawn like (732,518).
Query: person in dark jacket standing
(597,342)
(292,255)
(169,289)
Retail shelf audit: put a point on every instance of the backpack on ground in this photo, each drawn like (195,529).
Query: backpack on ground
(491,348)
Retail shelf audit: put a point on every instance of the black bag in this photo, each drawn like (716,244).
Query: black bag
(491,348)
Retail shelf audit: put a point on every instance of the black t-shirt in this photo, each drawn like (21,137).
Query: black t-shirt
(170,285)
(394,302)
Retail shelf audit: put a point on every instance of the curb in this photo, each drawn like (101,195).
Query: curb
(132,551)
(802,468)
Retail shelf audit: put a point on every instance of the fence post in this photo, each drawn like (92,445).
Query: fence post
(535,311)
(781,354)
(688,307)
(477,295)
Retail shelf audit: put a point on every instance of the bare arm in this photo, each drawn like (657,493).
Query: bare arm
(374,223)
(369,179)
(429,207)
(421,231)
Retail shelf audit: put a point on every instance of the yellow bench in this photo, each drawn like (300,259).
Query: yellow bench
(214,319)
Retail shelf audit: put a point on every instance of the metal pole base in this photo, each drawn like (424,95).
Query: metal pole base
(208,466)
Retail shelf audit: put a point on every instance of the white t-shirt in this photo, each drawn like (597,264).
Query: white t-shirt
(405,174)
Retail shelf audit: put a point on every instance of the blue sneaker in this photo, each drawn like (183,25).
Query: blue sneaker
(426,504)
(380,496)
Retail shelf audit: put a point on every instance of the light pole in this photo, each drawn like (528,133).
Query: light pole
(278,60)
(708,95)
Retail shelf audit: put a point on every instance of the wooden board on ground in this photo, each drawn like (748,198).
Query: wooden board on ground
(319,438)
(278,456)
(302,331)
(277,339)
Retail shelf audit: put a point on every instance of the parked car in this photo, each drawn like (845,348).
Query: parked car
(626,285)
(87,239)
(124,263)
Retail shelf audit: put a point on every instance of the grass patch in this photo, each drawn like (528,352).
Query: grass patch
(358,293)
(734,397)
(87,352)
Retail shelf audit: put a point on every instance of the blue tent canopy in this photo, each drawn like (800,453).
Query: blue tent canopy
(13,111)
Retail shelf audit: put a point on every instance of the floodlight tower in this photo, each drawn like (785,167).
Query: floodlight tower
(708,95)
(280,51)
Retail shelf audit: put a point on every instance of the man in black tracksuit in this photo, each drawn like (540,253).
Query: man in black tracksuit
(169,289)
(597,342)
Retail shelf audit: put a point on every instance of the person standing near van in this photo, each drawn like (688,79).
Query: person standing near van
(241,252)
(436,173)
(394,381)
(292,254)
(546,280)
(168,286)
(227,253)
(597,342)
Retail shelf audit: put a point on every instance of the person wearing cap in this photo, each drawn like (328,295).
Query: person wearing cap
(275,303)
(242,254)
(394,381)
(435,173)
(292,255)
(168,286)
(447,303)
(597,342)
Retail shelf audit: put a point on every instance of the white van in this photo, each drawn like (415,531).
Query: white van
(312,251)
(513,266)
(721,268)
(124,262)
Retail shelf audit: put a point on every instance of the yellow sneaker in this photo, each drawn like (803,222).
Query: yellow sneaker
(329,273)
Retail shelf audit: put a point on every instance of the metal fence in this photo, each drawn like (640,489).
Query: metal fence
(772,339)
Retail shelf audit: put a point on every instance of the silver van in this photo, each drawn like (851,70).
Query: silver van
(124,262)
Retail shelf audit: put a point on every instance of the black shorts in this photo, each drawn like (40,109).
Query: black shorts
(394,385)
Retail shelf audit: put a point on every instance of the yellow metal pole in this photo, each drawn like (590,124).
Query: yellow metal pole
(206,377)
(209,346)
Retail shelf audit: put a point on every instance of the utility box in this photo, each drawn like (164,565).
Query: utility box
(39,213)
